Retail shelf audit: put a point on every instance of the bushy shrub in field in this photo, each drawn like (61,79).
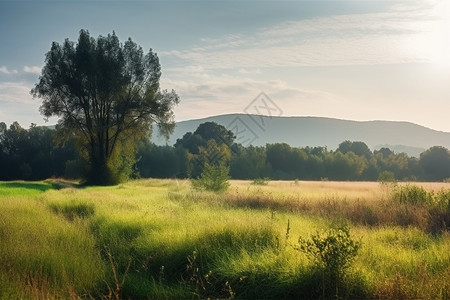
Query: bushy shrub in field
(333,251)
(427,209)
(412,194)
(213,178)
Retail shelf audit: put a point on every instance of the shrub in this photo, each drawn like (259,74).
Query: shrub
(412,194)
(333,251)
(213,178)
(442,199)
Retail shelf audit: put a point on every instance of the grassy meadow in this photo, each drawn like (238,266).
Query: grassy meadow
(160,239)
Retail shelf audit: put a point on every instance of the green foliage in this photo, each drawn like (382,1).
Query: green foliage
(213,161)
(208,145)
(430,210)
(412,194)
(205,132)
(111,97)
(435,163)
(30,154)
(213,154)
(213,178)
(348,166)
(73,169)
(442,199)
(249,163)
(386,177)
(160,161)
(119,166)
(213,131)
(286,161)
(333,250)
(358,148)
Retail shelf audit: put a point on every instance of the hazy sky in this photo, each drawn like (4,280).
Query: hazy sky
(358,60)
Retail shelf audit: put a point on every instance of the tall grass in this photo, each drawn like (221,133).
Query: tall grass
(44,256)
(158,239)
(396,205)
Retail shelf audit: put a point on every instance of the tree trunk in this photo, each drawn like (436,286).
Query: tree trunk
(98,171)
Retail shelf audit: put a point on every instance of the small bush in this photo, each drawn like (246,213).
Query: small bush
(412,194)
(333,251)
(428,210)
(213,178)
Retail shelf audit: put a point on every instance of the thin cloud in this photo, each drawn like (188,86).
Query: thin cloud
(32,70)
(6,71)
(15,92)
(391,37)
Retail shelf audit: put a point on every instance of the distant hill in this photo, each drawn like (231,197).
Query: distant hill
(317,131)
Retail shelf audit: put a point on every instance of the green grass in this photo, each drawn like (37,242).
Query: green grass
(166,241)
(21,188)
(43,255)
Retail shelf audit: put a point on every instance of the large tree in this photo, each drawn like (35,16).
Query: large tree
(435,163)
(106,95)
(194,142)
(205,132)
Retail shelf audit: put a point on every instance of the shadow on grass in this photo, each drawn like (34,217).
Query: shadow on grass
(35,186)
(58,184)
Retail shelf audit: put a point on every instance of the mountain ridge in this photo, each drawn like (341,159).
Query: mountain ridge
(302,131)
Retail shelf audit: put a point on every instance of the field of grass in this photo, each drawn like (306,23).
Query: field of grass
(159,239)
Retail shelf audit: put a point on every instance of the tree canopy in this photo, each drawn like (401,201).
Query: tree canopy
(205,132)
(106,95)
(436,163)
(30,154)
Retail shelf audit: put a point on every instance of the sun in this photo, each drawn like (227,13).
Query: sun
(440,36)
(430,42)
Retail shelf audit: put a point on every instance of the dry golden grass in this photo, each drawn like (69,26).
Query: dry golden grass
(343,189)
(366,203)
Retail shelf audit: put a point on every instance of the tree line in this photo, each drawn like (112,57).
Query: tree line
(35,154)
